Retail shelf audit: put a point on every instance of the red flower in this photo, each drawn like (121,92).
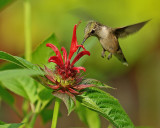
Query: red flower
(66,78)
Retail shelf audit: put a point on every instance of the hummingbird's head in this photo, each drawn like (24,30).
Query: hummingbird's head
(91,29)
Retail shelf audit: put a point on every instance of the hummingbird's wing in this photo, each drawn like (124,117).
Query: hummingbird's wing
(127,30)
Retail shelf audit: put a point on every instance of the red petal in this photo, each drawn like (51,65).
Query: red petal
(73,91)
(55,49)
(54,87)
(81,47)
(56,60)
(74,43)
(79,56)
(64,54)
(48,71)
(61,91)
(50,78)
(79,68)
(82,86)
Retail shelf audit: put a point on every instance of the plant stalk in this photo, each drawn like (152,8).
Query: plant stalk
(55,113)
(33,120)
(27,30)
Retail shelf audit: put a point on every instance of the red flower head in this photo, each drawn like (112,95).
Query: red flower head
(66,77)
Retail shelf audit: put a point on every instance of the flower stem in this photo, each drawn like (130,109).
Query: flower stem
(55,113)
(33,120)
(27,30)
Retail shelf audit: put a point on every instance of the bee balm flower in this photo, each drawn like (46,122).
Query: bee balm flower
(66,78)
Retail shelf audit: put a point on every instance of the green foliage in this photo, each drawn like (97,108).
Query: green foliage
(19,61)
(23,86)
(42,53)
(4,3)
(107,106)
(7,74)
(14,125)
(10,58)
(45,94)
(6,96)
(46,115)
(90,118)
(95,82)
(1,122)
(69,102)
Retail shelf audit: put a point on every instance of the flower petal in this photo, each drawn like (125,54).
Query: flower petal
(74,43)
(56,60)
(83,86)
(73,91)
(55,49)
(79,56)
(64,54)
(79,68)
(54,87)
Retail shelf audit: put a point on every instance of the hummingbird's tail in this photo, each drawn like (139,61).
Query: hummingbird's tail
(119,54)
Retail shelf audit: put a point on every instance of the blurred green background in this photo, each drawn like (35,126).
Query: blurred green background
(138,85)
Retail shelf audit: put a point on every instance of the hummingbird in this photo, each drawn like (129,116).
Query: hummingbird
(108,37)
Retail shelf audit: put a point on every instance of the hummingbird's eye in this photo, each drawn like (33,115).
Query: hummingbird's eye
(92,31)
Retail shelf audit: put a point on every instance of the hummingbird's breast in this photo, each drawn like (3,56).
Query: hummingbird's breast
(108,40)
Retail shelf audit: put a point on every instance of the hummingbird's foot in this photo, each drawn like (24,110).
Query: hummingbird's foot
(103,53)
(109,56)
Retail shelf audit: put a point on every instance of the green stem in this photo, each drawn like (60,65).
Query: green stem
(33,120)
(27,29)
(55,113)
(17,112)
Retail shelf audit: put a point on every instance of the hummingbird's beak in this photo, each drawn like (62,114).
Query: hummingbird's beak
(81,44)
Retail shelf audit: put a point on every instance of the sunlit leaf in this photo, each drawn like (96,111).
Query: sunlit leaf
(107,106)
(19,61)
(14,125)
(23,86)
(14,73)
(42,53)
(10,58)
(89,117)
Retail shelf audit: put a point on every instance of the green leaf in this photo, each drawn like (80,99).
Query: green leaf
(107,106)
(95,82)
(14,125)
(45,94)
(23,86)
(69,102)
(18,60)
(10,58)
(46,115)
(6,96)
(90,118)
(42,53)
(7,74)
(144,127)
(4,3)
(7,66)
(1,122)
